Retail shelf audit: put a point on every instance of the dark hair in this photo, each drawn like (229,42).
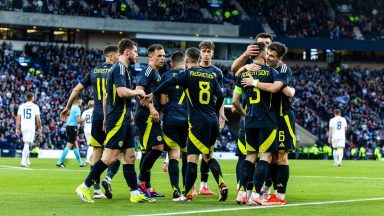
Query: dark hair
(261,46)
(264,35)
(207,44)
(337,111)
(177,57)
(124,44)
(279,48)
(30,96)
(108,49)
(154,47)
(193,54)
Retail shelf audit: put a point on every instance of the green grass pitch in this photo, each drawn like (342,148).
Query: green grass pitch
(315,188)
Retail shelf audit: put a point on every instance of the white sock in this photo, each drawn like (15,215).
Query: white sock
(89,153)
(280,195)
(341,154)
(135,193)
(166,160)
(24,155)
(266,189)
(249,193)
(335,154)
(84,186)
(203,185)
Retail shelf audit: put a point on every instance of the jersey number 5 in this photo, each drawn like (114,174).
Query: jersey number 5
(257,99)
(100,84)
(204,94)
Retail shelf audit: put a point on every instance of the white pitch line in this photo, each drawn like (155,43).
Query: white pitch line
(263,207)
(3,167)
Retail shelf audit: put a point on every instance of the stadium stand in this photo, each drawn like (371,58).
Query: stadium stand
(53,75)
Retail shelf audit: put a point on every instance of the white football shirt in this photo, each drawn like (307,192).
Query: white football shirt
(87,115)
(28,112)
(338,125)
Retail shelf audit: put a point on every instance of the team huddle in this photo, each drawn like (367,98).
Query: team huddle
(190,97)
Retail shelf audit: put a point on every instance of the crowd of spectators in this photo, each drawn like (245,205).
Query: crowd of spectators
(54,70)
(160,10)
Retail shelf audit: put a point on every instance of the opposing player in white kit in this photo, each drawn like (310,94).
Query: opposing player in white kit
(28,115)
(336,136)
(87,127)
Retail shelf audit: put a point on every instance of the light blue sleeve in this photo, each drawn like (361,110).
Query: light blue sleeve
(78,111)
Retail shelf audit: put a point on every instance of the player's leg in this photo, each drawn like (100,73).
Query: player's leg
(190,179)
(96,156)
(114,142)
(248,165)
(340,150)
(266,144)
(153,141)
(129,157)
(173,139)
(204,173)
(271,178)
(282,179)
(335,153)
(87,136)
(71,138)
(24,154)
(165,163)
(77,154)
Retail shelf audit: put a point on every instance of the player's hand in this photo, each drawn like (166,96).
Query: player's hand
(155,115)
(64,114)
(222,120)
(252,50)
(248,81)
(140,93)
(280,63)
(104,125)
(252,67)
(146,100)
(18,132)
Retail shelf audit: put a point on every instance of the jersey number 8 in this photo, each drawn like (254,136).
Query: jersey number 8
(204,94)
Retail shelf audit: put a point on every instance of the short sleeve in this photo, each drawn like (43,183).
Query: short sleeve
(86,81)
(164,78)
(119,77)
(37,110)
(144,77)
(19,111)
(78,111)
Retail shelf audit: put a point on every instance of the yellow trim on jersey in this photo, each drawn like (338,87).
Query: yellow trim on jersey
(170,143)
(281,106)
(184,149)
(114,93)
(286,117)
(199,145)
(189,97)
(147,131)
(182,98)
(241,147)
(98,90)
(248,147)
(117,127)
(268,142)
(94,143)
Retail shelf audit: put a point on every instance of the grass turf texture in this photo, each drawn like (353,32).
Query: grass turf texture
(45,189)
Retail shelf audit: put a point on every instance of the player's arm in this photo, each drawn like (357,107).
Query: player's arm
(104,109)
(86,81)
(18,120)
(252,50)
(219,96)
(237,92)
(330,133)
(125,92)
(38,122)
(222,117)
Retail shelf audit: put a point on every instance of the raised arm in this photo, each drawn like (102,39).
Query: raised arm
(75,92)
